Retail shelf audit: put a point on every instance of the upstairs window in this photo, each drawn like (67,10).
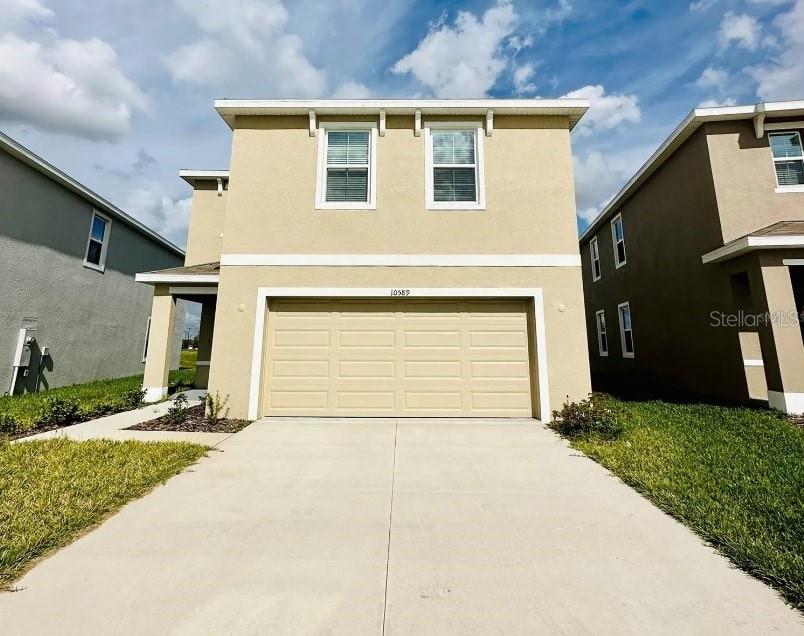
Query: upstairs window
(98,241)
(594,251)
(602,334)
(618,239)
(626,332)
(788,159)
(346,176)
(454,170)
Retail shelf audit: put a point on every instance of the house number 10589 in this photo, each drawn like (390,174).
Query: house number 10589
(400,292)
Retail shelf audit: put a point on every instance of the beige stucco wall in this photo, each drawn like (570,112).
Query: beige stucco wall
(745,182)
(529,194)
(568,363)
(207,215)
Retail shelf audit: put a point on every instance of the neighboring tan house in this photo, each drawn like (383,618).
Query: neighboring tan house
(694,273)
(70,309)
(385,258)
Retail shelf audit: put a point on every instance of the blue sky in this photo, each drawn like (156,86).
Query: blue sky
(119,93)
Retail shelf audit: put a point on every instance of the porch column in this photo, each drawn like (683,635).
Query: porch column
(157,361)
(205,343)
(782,344)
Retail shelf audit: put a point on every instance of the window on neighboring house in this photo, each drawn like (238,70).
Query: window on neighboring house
(98,241)
(454,168)
(618,239)
(788,159)
(147,335)
(346,178)
(626,332)
(594,251)
(602,335)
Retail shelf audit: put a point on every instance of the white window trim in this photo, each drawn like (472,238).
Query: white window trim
(480,177)
(100,267)
(321,202)
(625,353)
(605,330)
(147,335)
(594,260)
(617,263)
(786,188)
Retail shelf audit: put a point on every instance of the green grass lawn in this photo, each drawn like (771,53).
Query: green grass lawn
(26,408)
(53,490)
(733,475)
(188,358)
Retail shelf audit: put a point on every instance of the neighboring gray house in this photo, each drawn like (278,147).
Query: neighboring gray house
(70,310)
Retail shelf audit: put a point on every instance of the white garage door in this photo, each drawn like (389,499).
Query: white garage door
(446,357)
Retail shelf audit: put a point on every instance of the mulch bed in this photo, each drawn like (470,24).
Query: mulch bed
(194,422)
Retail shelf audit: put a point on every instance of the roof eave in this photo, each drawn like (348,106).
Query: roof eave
(574,109)
(684,131)
(34,161)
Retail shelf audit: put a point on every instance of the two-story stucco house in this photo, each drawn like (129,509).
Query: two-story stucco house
(385,258)
(694,273)
(70,309)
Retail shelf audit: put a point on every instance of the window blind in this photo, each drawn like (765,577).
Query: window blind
(788,158)
(454,165)
(347,166)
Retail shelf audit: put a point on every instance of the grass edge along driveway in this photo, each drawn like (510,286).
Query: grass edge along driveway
(735,476)
(54,490)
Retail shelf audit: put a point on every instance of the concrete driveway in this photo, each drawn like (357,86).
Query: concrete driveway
(396,527)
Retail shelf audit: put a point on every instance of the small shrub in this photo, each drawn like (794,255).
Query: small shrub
(59,411)
(8,424)
(177,412)
(214,406)
(133,398)
(590,417)
(101,409)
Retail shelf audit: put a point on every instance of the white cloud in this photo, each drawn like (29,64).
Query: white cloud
(204,61)
(522,79)
(166,215)
(712,77)
(596,182)
(783,76)
(702,5)
(247,40)
(14,11)
(67,86)
(742,30)
(465,58)
(352,90)
(606,111)
(715,103)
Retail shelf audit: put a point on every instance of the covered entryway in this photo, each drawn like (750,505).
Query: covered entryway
(399,357)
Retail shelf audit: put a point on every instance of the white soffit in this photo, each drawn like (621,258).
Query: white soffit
(571,108)
(750,244)
(191,176)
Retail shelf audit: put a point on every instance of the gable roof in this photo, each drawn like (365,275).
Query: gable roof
(20,152)
(572,108)
(691,123)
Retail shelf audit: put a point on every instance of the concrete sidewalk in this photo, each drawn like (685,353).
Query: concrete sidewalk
(113,426)
(304,526)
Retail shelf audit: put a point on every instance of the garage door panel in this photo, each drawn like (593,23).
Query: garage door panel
(295,368)
(399,357)
(432,339)
(366,369)
(434,369)
(432,401)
